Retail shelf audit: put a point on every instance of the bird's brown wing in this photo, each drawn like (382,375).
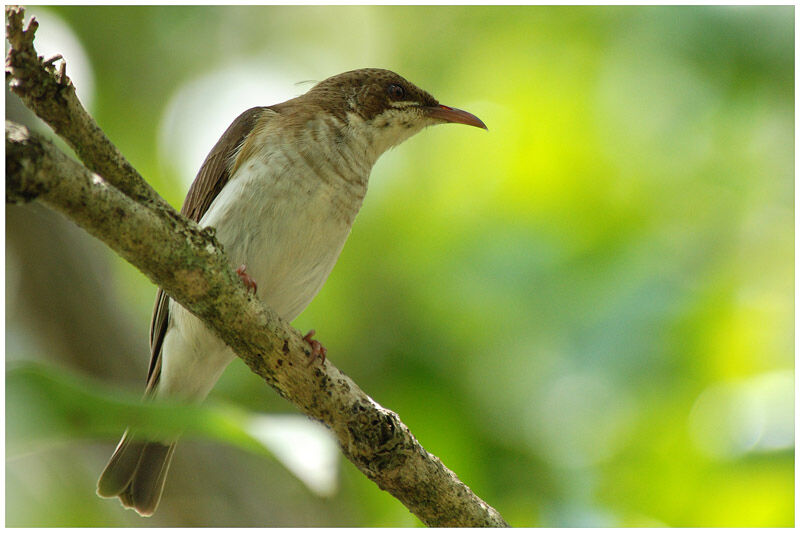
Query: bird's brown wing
(212,177)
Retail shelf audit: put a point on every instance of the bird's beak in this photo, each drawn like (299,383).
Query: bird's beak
(451,114)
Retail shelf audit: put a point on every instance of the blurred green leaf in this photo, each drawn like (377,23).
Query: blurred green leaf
(46,406)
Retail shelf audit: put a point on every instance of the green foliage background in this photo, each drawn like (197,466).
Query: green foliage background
(586,312)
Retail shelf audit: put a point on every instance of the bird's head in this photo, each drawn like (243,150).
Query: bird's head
(383,107)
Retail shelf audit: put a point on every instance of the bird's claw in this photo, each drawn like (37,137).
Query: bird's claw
(248,282)
(317,349)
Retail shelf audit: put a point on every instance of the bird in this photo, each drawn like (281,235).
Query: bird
(281,187)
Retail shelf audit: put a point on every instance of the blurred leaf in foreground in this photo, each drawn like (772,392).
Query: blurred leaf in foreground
(46,407)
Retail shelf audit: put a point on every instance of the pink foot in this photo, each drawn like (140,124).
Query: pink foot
(249,282)
(317,349)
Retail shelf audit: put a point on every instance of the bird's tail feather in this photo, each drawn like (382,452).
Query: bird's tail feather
(136,473)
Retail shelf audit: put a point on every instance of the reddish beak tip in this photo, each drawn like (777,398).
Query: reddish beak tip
(456,116)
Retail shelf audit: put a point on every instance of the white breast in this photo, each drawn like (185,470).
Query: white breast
(287,225)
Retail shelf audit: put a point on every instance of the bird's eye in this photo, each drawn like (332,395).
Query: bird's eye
(396,92)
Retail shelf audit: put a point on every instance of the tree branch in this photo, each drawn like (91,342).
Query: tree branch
(51,95)
(188,263)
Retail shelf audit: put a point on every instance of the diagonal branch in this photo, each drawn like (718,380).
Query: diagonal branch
(188,263)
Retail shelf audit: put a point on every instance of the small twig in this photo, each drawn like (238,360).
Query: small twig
(49,62)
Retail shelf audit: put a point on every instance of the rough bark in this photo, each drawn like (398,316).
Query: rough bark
(188,263)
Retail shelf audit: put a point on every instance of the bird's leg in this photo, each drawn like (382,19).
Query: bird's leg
(249,282)
(317,349)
